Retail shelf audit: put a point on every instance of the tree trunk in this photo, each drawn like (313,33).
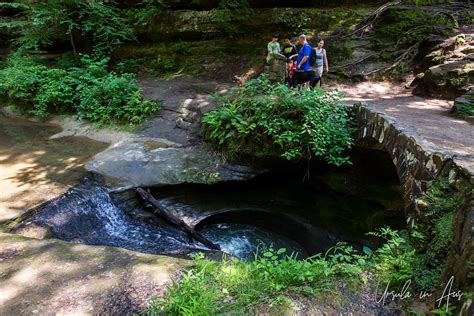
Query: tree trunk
(73,45)
(174,220)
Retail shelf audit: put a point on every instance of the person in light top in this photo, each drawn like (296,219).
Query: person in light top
(321,65)
(273,48)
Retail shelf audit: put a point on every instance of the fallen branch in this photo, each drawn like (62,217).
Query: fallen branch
(174,220)
(240,80)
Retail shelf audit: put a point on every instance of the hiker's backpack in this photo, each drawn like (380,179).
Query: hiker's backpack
(312,57)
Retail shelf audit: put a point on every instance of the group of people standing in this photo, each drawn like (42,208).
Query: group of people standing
(306,64)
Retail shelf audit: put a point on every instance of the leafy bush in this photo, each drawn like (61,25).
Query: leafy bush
(182,48)
(421,257)
(20,79)
(164,64)
(144,11)
(263,119)
(466,108)
(90,91)
(394,261)
(75,21)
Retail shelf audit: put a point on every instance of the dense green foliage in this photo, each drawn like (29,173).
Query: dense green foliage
(144,12)
(79,84)
(466,108)
(76,21)
(237,286)
(434,235)
(263,119)
(422,257)
(90,91)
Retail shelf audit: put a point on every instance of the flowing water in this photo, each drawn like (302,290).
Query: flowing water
(243,241)
(87,214)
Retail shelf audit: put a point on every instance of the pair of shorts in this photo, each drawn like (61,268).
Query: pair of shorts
(319,71)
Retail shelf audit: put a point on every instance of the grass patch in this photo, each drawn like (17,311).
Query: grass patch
(234,286)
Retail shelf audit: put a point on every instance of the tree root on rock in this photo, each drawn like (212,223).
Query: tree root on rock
(369,22)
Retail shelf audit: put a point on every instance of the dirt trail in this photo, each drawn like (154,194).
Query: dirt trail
(183,100)
(427,120)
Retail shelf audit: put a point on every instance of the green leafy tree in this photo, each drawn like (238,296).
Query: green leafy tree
(76,21)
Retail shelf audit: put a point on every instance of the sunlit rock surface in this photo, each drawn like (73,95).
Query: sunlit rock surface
(152,163)
(56,277)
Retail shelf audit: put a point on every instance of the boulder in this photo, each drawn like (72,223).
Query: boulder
(464,105)
(135,162)
(433,51)
(448,80)
(468,50)
(276,70)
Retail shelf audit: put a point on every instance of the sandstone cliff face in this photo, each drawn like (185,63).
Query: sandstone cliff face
(205,24)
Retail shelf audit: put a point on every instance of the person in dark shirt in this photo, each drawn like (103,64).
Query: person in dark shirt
(290,52)
(289,49)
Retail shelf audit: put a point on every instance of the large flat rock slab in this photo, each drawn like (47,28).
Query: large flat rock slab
(49,277)
(151,162)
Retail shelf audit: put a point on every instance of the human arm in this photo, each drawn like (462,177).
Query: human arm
(293,56)
(303,60)
(326,65)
